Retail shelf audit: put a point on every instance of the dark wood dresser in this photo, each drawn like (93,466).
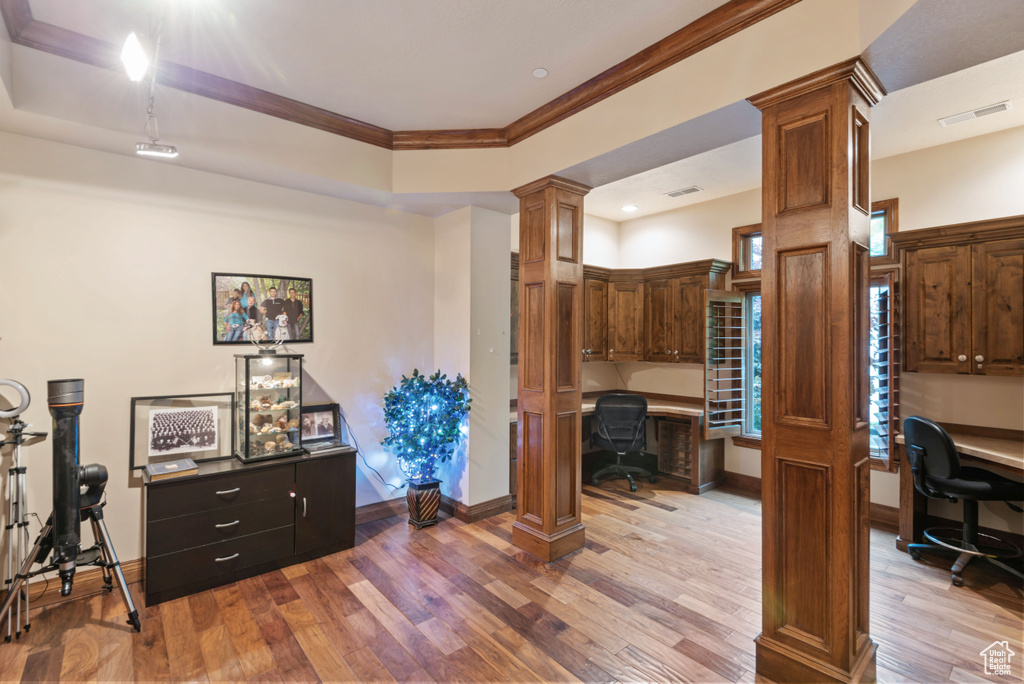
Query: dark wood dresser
(235,520)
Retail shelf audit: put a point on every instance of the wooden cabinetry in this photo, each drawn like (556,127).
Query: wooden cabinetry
(625,321)
(651,314)
(595,320)
(684,453)
(674,309)
(964,297)
(232,520)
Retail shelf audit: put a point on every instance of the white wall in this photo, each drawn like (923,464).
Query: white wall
(106,276)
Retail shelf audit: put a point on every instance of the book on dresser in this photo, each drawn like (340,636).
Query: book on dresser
(169,469)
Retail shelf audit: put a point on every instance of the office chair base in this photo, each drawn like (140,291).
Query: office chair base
(950,540)
(622,471)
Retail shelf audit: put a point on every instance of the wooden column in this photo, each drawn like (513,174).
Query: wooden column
(548,519)
(816,206)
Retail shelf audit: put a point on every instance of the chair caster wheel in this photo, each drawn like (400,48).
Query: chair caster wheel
(915,554)
(958,581)
(632,486)
(651,479)
(595,482)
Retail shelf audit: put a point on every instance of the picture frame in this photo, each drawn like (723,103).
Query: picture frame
(166,428)
(323,427)
(258,314)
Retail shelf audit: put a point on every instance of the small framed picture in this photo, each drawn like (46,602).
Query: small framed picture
(320,424)
(261,308)
(167,428)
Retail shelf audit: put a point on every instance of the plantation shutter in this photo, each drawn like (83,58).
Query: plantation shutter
(885,354)
(724,364)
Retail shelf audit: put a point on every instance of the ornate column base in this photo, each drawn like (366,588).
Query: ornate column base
(548,547)
(781,664)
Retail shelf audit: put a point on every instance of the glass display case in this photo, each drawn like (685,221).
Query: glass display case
(268,405)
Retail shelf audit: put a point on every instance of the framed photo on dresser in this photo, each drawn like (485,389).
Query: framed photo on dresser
(261,308)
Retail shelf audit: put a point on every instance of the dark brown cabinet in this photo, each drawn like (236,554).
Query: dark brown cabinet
(684,453)
(625,321)
(674,310)
(661,308)
(964,294)
(595,320)
(233,520)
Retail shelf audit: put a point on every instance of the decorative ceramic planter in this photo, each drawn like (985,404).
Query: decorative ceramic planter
(424,497)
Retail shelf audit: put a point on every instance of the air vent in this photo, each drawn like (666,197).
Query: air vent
(977,113)
(685,191)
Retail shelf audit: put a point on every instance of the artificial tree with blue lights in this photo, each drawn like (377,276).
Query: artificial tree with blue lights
(424,418)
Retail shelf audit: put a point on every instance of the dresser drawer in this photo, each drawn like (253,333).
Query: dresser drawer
(187,496)
(207,527)
(203,562)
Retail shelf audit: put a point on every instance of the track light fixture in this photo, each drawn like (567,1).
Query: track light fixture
(136,64)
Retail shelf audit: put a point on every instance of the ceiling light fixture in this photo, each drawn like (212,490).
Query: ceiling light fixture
(630,208)
(153,148)
(540,72)
(134,58)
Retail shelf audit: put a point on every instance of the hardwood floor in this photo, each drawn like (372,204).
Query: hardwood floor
(667,589)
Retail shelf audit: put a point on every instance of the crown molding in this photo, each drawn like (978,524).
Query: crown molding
(713,27)
(1007,228)
(853,70)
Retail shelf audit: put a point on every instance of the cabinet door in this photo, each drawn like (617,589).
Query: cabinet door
(595,322)
(625,321)
(325,491)
(659,320)
(997,316)
(690,336)
(938,314)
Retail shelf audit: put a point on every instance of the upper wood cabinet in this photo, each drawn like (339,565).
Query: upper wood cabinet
(674,311)
(595,320)
(625,321)
(964,297)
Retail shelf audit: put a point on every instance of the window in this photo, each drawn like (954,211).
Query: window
(725,361)
(746,252)
(884,222)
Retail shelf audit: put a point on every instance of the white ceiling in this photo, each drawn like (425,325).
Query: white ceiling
(904,121)
(399,64)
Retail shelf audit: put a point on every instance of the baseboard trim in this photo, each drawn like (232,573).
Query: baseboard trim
(886,517)
(477,512)
(746,483)
(86,583)
(381,510)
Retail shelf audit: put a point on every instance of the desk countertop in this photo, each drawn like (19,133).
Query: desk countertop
(1005,452)
(655,407)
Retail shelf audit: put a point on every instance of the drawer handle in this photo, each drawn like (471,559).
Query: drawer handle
(229,491)
(226,558)
(230,524)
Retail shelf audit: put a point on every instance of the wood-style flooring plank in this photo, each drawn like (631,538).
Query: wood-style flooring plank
(666,588)
(254,656)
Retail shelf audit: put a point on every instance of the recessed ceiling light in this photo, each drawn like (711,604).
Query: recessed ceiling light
(134,58)
(540,72)
(630,208)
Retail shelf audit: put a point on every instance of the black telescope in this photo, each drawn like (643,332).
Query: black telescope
(65,399)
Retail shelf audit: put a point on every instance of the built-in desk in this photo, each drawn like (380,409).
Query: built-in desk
(683,452)
(989,452)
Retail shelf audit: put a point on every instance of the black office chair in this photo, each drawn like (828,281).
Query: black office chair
(935,464)
(622,429)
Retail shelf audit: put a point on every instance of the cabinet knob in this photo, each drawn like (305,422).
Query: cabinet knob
(676,352)
(979,358)
(961,358)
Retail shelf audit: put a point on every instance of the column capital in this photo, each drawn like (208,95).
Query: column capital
(853,70)
(552,182)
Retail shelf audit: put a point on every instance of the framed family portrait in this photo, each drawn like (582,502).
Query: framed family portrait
(320,425)
(261,308)
(171,427)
